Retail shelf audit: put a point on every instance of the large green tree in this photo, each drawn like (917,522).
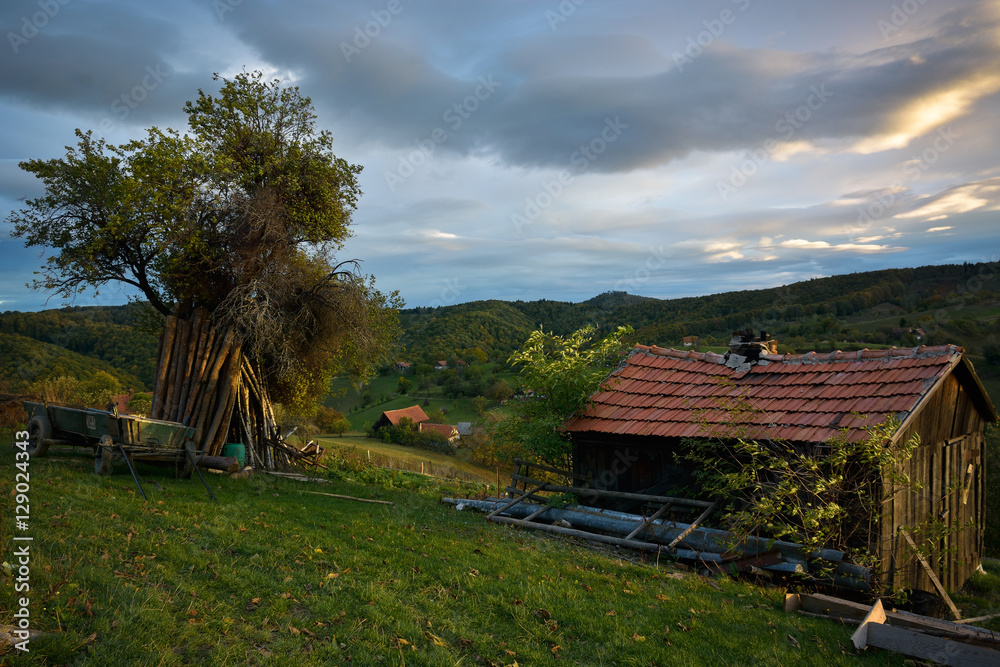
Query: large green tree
(241,216)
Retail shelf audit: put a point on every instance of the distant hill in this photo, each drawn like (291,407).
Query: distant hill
(25,360)
(927,305)
(117,338)
(952,303)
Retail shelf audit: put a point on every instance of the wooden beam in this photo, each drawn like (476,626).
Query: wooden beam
(694,524)
(930,573)
(571,532)
(624,495)
(875,616)
(360,500)
(926,647)
(526,495)
(838,608)
(646,522)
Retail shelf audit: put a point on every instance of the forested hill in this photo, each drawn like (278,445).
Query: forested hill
(78,341)
(933,304)
(950,303)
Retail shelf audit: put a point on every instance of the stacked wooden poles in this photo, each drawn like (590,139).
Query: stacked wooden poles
(196,378)
(257,421)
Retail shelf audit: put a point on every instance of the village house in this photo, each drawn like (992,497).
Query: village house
(449,432)
(626,438)
(392,417)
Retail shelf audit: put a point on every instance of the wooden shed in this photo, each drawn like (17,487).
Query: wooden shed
(626,439)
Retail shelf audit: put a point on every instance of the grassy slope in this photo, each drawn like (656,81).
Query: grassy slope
(273,576)
(410,458)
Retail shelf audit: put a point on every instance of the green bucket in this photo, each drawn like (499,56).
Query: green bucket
(236,449)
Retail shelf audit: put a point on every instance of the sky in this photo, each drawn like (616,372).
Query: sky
(560,149)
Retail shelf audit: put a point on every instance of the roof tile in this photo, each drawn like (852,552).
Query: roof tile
(674,393)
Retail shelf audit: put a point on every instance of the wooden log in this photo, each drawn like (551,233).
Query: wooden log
(571,532)
(162,367)
(927,647)
(930,573)
(198,373)
(195,351)
(156,376)
(223,463)
(656,515)
(694,524)
(206,404)
(623,495)
(187,378)
(219,428)
(834,607)
(207,407)
(173,377)
(524,496)
(360,500)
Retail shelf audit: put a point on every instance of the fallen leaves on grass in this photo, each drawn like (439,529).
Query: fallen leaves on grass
(437,641)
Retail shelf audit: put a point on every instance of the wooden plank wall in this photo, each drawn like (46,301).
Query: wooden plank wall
(951,435)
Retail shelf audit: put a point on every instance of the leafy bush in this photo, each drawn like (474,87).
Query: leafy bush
(408,434)
(830,497)
(95,391)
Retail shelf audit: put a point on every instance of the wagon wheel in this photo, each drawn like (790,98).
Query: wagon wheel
(102,460)
(187,468)
(39,434)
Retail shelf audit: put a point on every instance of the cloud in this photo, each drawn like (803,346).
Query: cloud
(955,201)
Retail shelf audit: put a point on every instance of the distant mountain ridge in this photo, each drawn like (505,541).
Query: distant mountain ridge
(957,303)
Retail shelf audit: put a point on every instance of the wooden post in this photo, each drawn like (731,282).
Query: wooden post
(163,364)
(170,382)
(933,577)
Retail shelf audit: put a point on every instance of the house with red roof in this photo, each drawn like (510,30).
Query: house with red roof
(626,438)
(392,417)
(447,431)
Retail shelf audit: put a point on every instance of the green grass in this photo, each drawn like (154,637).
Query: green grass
(273,576)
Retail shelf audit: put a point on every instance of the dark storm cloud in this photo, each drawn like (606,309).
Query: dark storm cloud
(554,93)
(111,61)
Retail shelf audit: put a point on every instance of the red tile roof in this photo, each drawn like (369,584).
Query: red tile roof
(414,412)
(447,430)
(797,397)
